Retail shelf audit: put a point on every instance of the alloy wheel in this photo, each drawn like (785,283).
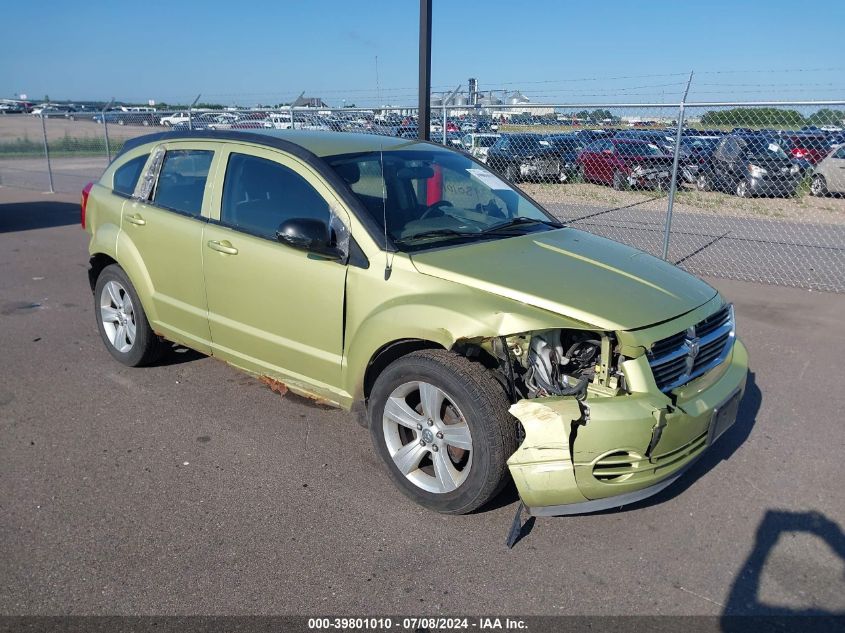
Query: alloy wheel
(427,437)
(118,316)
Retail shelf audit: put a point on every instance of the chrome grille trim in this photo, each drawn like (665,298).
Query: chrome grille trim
(682,357)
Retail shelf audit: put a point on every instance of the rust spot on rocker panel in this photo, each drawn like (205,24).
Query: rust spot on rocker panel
(275,385)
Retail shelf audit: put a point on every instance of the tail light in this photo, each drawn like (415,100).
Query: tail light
(799,152)
(84,203)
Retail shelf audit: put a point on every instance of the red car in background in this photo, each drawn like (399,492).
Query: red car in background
(809,147)
(625,163)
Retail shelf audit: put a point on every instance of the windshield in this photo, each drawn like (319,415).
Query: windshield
(638,149)
(486,141)
(764,148)
(430,196)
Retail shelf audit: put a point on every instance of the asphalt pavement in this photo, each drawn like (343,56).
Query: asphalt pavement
(190,488)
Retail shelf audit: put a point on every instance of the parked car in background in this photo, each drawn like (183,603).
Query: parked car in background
(750,165)
(478,144)
(810,147)
(695,154)
(829,174)
(523,156)
(624,163)
(174,119)
(122,117)
(566,147)
(664,140)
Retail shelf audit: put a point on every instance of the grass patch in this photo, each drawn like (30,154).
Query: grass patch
(64,146)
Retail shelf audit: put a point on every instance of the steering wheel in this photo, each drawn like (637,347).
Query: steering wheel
(435,207)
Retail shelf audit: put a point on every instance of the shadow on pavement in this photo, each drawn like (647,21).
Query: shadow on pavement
(25,216)
(745,612)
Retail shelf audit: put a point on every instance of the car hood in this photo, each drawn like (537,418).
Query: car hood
(582,276)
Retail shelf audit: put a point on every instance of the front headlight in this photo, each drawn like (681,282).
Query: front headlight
(756,171)
(638,170)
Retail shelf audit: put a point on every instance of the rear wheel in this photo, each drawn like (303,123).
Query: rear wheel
(742,189)
(121,320)
(818,187)
(703,183)
(440,423)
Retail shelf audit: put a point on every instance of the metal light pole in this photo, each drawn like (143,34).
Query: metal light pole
(424,114)
(673,184)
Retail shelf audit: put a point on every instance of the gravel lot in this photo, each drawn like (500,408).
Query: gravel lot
(189,488)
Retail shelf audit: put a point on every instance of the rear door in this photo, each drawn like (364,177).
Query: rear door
(273,309)
(162,228)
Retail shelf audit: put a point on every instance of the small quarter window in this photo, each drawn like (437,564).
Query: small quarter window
(181,181)
(259,194)
(126,176)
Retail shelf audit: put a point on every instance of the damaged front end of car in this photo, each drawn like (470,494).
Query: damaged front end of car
(609,418)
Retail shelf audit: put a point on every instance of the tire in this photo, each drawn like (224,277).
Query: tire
(145,123)
(512,173)
(110,293)
(741,189)
(121,122)
(818,186)
(166,123)
(72,118)
(703,183)
(580,174)
(619,183)
(472,400)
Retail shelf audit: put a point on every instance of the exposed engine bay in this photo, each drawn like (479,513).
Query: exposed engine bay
(557,362)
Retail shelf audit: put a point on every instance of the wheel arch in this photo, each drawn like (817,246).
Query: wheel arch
(97,263)
(389,353)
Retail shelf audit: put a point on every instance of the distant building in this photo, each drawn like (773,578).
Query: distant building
(309,102)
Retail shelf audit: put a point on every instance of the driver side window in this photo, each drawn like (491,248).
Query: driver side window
(260,194)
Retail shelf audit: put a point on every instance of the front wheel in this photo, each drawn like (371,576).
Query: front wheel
(818,187)
(742,189)
(121,320)
(511,173)
(441,425)
(703,183)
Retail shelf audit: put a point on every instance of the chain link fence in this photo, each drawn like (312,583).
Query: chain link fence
(752,191)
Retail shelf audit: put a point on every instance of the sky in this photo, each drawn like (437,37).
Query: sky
(365,52)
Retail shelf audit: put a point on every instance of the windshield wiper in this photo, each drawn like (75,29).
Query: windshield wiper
(517,221)
(439,233)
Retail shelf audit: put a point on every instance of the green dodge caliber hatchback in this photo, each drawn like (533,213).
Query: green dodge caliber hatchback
(478,338)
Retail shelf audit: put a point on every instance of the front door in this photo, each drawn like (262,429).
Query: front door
(273,309)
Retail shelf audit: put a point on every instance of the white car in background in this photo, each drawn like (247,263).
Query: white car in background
(478,144)
(174,119)
(829,174)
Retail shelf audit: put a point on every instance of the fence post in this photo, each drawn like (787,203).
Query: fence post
(443,123)
(47,153)
(673,183)
(106,128)
(191,112)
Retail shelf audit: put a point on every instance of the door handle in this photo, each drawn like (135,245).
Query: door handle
(136,219)
(223,247)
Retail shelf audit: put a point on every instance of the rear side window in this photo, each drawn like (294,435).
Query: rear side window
(181,181)
(259,194)
(126,176)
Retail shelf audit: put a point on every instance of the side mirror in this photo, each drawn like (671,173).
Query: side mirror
(308,234)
